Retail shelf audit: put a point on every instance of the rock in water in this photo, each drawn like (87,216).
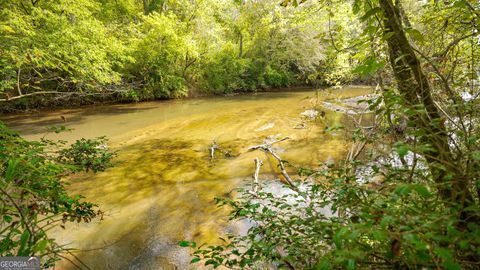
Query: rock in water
(312,114)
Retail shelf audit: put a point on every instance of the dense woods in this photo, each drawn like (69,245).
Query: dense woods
(407,194)
(136,50)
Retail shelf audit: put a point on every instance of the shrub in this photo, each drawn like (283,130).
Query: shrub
(33,195)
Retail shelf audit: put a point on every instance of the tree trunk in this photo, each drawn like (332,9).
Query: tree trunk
(402,13)
(240,46)
(145,7)
(414,86)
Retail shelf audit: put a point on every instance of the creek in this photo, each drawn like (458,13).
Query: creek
(162,188)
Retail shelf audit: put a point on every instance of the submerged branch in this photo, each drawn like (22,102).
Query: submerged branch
(267,148)
(212,149)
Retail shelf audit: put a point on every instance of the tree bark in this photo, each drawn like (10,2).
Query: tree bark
(402,13)
(145,7)
(414,86)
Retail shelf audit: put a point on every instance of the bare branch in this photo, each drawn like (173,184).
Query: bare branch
(62,94)
(451,45)
(212,149)
(267,144)
(267,148)
(18,82)
(34,94)
(258,164)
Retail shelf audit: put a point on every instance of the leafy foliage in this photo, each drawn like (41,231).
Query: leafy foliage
(402,226)
(33,194)
(137,50)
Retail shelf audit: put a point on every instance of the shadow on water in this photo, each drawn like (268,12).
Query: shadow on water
(160,192)
(36,123)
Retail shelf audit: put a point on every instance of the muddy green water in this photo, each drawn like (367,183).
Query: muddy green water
(162,189)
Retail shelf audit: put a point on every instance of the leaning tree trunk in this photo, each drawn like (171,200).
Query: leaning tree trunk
(145,7)
(414,86)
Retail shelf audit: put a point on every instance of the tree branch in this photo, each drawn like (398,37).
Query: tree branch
(34,94)
(267,148)
(452,44)
(18,82)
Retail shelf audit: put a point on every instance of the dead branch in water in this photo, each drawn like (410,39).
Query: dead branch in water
(215,146)
(258,164)
(267,144)
(212,149)
(267,148)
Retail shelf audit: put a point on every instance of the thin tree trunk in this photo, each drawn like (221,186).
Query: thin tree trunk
(145,7)
(414,86)
(19,89)
(240,49)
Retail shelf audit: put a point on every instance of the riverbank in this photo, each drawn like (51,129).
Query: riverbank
(76,101)
(73,100)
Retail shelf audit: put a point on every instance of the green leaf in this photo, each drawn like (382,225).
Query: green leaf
(379,235)
(212,262)
(184,243)
(338,238)
(351,264)
(8,29)
(443,253)
(401,149)
(23,250)
(10,173)
(422,190)
(415,34)
(369,66)
(464,244)
(476,155)
(336,127)
(472,140)
(370,13)
(40,246)
(195,260)
(403,189)
(7,218)
(459,4)
(451,266)
(323,265)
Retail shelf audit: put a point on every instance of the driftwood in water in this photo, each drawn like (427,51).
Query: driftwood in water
(267,148)
(215,146)
(212,149)
(258,164)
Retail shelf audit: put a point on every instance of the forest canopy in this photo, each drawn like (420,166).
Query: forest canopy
(155,49)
